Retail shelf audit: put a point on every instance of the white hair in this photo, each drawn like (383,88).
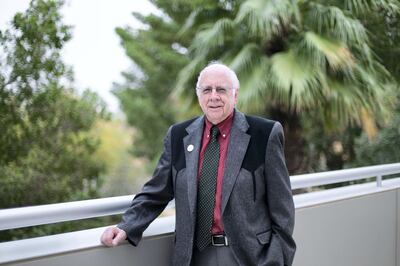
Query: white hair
(231,73)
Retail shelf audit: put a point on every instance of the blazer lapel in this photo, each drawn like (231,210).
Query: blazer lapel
(238,142)
(195,132)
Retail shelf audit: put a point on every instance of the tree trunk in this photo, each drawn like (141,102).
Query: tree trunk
(296,158)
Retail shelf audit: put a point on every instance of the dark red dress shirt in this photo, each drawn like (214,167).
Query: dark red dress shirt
(223,139)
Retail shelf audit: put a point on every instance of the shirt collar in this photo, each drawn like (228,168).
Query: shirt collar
(224,126)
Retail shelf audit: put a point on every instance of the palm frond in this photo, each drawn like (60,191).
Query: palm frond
(245,58)
(358,6)
(331,21)
(364,53)
(322,50)
(213,36)
(187,77)
(347,98)
(368,6)
(184,89)
(379,71)
(253,86)
(340,104)
(295,79)
(265,18)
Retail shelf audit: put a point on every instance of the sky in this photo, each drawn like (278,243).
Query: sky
(94,51)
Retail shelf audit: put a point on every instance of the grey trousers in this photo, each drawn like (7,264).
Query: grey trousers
(214,256)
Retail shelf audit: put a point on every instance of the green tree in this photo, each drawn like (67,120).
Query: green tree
(296,57)
(46,148)
(384,28)
(382,149)
(144,95)
(125,174)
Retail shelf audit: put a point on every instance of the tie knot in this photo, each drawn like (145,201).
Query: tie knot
(214,132)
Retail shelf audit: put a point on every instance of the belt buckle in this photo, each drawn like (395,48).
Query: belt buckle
(217,244)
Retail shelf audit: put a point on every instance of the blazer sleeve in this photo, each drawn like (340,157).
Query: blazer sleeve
(152,200)
(280,200)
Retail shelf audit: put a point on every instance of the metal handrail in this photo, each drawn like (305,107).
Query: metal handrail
(70,211)
(61,212)
(338,176)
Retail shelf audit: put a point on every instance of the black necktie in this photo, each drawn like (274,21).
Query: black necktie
(206,191)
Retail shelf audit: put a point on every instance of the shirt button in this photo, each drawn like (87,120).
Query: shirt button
(224,135)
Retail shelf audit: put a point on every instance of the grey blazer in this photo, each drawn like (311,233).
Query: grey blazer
(257,204)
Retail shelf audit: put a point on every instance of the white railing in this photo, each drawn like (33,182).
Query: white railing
(338,176)
(70,211)
(62,212)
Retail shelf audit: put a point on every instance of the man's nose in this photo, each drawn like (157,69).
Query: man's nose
(214,93)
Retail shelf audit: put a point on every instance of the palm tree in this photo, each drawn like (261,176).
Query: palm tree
(295,56)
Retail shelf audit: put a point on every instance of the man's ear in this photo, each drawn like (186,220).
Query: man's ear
(236,95)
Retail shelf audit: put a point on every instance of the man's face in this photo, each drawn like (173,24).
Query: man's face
(215,94)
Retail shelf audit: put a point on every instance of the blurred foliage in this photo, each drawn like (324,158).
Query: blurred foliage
(383,28)
(125,174)
(144,94)
(46,147)
(384,148)
(327,149)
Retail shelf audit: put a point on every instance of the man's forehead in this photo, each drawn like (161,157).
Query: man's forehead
(216,68)
(215,75)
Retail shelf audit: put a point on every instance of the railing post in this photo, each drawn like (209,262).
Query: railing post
(379,180)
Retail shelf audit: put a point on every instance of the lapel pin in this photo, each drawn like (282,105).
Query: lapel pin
(190,148)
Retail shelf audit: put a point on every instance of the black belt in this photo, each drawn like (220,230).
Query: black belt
(219,240)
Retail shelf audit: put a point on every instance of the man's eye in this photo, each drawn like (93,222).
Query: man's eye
(221,90)
(206,90)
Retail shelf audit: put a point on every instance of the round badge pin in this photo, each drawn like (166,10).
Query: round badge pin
(190,148)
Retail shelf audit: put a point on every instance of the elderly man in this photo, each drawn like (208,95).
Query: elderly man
(227,173)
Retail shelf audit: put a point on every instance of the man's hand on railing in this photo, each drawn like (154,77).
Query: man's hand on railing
(113,236)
